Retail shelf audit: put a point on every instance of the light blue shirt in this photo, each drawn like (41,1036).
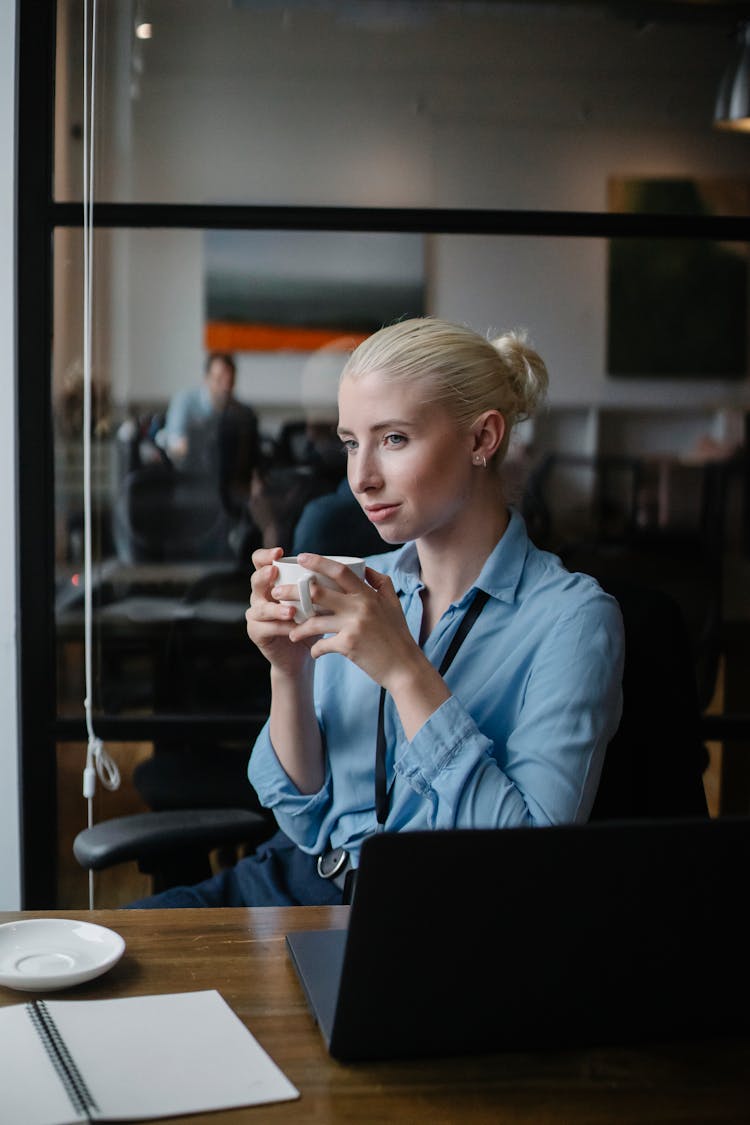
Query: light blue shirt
(536,699)
(190,408)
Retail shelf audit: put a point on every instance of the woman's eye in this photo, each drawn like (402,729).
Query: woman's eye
(348,446)
(394,439)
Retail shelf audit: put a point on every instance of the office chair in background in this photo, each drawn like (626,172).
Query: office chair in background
(655,762)
(196,785)
(165,515)
(654,522)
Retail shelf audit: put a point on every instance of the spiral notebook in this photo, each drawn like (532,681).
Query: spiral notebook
(130,1059)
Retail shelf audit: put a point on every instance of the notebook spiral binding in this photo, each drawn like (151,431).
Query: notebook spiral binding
(58,1054)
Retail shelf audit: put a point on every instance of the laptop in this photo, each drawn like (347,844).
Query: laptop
(466,941)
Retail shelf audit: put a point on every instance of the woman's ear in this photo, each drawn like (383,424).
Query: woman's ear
(488,431)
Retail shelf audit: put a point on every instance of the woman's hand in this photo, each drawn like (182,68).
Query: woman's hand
(295,734)
(269,624)
(364,622)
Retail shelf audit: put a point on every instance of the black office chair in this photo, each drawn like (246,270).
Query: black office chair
(173,846)
(596,513)
(196,785)
(201,803)
(654,765)
(162,514)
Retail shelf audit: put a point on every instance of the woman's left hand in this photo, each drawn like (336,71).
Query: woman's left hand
(363,619)
(365,623)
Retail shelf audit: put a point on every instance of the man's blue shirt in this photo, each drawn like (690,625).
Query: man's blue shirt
(536,697)
(190,408)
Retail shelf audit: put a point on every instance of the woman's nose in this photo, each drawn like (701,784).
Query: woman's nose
(364,474)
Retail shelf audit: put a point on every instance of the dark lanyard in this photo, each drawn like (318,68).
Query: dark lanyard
(381,786)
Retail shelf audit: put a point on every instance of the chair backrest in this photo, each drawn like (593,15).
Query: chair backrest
(653,521)
(163,515)
(655,762)
(209,665)
(572,498)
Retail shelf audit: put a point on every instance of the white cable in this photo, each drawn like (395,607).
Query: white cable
(98,762)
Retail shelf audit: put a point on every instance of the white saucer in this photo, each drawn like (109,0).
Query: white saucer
(42,954)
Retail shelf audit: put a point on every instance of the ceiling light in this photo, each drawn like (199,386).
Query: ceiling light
(143,30)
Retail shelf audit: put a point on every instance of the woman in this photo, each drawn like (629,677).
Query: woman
(514,732)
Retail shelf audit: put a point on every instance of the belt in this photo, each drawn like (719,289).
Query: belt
(334,865)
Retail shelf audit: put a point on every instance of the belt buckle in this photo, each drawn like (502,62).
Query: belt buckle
(331,862)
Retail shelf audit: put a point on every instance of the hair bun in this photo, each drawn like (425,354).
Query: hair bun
(526,370)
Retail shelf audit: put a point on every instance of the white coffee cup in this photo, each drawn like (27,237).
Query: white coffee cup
(292,574)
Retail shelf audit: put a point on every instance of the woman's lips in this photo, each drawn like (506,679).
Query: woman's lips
(378,513)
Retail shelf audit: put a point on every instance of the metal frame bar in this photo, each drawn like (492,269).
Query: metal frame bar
(164,727)
(35,471)
(558,224)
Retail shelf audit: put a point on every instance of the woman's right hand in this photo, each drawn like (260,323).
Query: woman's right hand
(269,622)
(295,735)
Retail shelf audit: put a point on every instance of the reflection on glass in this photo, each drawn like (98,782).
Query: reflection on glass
(383,104)
(678,306)
(215,374)
(615,473)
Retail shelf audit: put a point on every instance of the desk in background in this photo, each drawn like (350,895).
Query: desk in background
(242,953)
(161,654)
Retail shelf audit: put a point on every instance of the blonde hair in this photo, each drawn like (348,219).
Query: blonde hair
(457,367)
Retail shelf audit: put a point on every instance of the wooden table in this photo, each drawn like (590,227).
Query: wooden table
(242,954)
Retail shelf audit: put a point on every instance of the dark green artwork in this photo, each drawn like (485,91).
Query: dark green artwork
(677,306)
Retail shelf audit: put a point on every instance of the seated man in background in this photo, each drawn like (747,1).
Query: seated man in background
(208,432)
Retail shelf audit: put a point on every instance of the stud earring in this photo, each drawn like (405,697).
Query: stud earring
(481,460)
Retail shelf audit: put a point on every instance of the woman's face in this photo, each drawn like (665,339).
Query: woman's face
(409,464)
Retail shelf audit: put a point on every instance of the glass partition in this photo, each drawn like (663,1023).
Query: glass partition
(563,112)
(216,357)
(380,104)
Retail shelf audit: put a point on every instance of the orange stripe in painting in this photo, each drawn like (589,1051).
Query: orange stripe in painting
(222,336)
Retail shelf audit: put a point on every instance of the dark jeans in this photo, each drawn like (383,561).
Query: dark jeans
(277,874)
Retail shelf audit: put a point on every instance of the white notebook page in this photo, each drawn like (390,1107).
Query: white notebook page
(30,1091)
(146,1056)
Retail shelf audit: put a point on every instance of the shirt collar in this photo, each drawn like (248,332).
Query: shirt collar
(499,576)
(502,571)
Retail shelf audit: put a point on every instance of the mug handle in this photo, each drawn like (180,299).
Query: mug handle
(305,601)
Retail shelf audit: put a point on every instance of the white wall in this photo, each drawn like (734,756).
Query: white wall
(10,843)
(474,110)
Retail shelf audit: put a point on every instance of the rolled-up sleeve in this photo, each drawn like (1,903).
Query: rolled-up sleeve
(298,814)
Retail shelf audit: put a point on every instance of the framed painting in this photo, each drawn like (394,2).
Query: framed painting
(302,290)
(677,306)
